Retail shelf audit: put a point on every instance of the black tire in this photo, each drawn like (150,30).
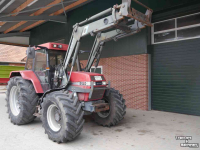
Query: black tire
(71,116)
(116,112)
(27,99)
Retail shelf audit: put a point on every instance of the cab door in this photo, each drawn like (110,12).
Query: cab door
(40,68)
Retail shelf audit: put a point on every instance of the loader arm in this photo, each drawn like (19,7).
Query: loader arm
(111,24)
(101,38)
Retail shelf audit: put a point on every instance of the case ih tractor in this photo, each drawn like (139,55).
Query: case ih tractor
(57,88)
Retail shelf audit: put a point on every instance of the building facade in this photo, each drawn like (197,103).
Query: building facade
(157,68)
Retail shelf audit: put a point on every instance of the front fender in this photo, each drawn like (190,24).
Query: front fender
(29,75)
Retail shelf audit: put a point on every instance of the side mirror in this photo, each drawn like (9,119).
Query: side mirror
(30,52)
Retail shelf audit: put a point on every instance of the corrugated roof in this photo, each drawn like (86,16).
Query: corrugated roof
(12,53)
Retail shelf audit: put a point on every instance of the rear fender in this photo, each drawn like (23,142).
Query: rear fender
(29,75)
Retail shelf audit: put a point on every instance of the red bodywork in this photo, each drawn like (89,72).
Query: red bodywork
(75,77)
(29,75)
(78,76)
(50,46)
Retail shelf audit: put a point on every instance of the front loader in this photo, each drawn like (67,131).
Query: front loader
(56,87)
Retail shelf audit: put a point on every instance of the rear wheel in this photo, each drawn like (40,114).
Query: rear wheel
(62,116)
(116,112)
(21,100)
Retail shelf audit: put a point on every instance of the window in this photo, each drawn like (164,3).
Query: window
(188,20)
(29,64)
(188,33)
(40,60)
(40,65)
(164,25)
(56,57)
(181,28)
(165,36)
(98,70)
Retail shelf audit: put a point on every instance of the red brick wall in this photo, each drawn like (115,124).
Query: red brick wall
(129,75)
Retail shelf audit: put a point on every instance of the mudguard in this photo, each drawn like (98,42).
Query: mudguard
(29,75)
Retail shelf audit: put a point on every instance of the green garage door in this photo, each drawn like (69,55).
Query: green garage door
(176,77)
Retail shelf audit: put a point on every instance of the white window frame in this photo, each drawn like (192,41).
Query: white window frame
(174,29)
(97,67)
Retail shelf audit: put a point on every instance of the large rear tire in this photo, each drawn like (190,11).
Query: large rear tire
(21,100)
(62,116)
(116,112)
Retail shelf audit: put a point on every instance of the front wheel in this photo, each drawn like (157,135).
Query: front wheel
(62,116)
(21,100)
(116,112)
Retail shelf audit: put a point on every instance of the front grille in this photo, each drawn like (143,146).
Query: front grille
(98,83)
(97,93)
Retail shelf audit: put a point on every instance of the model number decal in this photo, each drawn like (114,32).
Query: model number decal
(97,78)
(85,30)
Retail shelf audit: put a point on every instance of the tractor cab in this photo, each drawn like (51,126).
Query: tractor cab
(46,62)
(43,60)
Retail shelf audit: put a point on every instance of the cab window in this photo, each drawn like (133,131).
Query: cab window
(40,60)
(29,64)
(55,58)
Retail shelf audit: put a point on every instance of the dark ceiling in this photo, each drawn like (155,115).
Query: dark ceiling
(27,12)
(12,29)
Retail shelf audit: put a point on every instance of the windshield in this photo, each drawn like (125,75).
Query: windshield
(55,58)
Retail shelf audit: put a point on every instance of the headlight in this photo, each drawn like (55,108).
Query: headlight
(104,83)
(89,83)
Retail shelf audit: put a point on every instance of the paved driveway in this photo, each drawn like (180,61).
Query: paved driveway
(140,130)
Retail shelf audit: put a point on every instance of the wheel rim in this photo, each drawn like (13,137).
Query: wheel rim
(14,101)
(103,114)
(54,117)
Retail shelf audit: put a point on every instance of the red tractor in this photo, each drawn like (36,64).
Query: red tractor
(56,87)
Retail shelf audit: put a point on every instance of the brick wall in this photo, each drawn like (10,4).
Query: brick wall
(129,75)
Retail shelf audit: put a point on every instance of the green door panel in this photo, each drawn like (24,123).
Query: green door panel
(176,77)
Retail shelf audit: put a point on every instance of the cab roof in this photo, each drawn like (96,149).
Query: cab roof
(55,46)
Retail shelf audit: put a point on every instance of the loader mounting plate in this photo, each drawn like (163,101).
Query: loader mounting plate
(101,107)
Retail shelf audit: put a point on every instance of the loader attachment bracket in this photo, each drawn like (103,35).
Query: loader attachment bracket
(95,106)
(143,18)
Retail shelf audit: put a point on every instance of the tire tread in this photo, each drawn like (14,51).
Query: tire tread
(28,100)
(120,110)
(73,113)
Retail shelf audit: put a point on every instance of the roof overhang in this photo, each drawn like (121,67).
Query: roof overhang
(17,17)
